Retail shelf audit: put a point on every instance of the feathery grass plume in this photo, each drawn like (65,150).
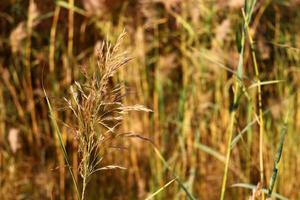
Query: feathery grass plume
(98,109)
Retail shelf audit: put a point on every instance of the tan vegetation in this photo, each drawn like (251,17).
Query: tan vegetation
(218,81)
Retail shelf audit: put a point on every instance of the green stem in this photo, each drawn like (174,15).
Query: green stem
(261,121)
(230,131)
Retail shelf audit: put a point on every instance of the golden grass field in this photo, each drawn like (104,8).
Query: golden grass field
(149,99)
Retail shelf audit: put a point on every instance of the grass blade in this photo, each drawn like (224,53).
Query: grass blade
(261,83)
(166,164)
(265,191)
(189,194)
(241,133)
(211,152)
(58,133)
(160,189)
(278,157)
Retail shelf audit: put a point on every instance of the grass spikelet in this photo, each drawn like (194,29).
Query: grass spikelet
(98,109)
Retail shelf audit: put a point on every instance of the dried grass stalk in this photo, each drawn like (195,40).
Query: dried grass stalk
(99,109)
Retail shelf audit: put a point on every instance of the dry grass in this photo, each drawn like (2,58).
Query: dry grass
(219,83)
(99,110)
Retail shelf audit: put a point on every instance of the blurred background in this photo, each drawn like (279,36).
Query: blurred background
(184,57)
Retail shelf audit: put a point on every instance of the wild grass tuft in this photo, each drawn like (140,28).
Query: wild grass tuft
(99,109)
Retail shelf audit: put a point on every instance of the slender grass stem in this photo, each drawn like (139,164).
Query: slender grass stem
(230,132)
(84,180)
(28,82)
(62,144)
(52,38)
(168,167)
(261,121)
(160,189)
(278,155)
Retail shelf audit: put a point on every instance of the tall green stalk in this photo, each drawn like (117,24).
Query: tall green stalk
(261,120)
(237,81)
(230,132)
